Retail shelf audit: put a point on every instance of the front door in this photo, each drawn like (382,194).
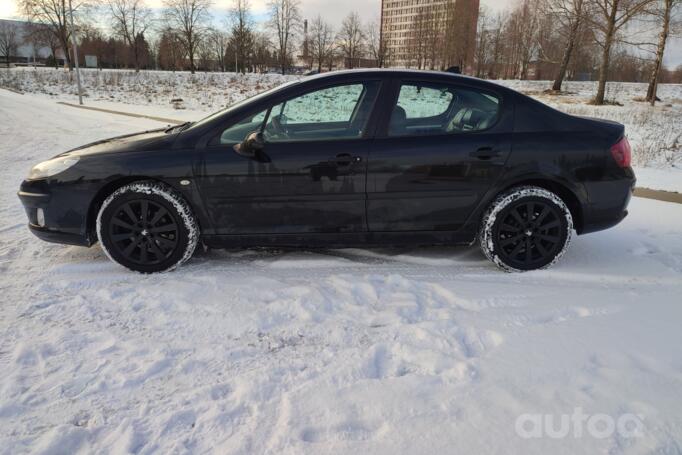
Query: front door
(311,174)
(443,148)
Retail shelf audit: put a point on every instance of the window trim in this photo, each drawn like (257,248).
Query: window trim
(299,89)
(400,82)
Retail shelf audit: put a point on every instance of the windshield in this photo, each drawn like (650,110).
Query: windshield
(241,103)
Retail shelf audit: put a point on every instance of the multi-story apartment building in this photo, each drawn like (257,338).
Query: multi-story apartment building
(431,34)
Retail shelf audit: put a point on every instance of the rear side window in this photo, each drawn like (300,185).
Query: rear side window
(421,102)
(433,109)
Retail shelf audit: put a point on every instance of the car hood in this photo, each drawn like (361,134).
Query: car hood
(146,140)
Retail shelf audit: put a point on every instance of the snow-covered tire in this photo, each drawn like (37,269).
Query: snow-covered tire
(526,220)
(147,227)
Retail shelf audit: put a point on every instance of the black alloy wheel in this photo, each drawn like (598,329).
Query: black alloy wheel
(530,233)
(147,227)
(526,228)
(143,232)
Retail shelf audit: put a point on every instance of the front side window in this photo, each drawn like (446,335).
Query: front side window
(333,113)
(432,109)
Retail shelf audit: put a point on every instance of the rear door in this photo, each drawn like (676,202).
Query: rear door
(442,147)
(312,175)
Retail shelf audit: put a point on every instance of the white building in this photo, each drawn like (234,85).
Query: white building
(23,48)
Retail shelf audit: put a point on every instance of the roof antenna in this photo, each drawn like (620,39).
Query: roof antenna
(454,70)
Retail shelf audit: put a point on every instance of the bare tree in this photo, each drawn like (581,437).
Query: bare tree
(569,15)
(285,19)
(664,13)
(189,18)
(419,30)
(171,51)
(130,19)
(376,44)
(262,57)
(496,44)
(608,19)
(205,54)
(55,14)
(8,40)
(351,39)
(321,41)
(242,33)
(219,42)
(529,20)
(459,39)
(41,36)
(482,42)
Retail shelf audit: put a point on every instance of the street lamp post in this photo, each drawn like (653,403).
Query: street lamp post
(75,57)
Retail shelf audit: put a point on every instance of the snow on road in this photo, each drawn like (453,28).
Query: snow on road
(428,350)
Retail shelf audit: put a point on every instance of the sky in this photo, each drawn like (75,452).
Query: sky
(334,11)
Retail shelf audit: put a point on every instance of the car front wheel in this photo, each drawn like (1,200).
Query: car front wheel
(526,228)
(147,227)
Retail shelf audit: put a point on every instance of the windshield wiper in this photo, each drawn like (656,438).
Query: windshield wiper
(180,127)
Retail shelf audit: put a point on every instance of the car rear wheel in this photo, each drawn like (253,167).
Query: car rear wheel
(526,228)
(147,227)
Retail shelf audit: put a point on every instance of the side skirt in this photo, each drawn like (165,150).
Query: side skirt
(345,240)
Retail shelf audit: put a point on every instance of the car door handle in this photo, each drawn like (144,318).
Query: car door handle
(485,153)
(346,159)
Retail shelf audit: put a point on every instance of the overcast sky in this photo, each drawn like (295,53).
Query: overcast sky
(334,11)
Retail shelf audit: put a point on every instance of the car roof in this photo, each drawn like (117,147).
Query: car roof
(403,73)
(385,72)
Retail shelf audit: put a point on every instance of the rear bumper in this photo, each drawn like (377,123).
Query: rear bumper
(608,205)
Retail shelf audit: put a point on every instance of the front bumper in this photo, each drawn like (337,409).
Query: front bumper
(62,223)
(50,235)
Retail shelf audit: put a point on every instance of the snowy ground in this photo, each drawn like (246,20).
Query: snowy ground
(426,350)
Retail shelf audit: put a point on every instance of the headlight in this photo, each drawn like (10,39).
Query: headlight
(52,167)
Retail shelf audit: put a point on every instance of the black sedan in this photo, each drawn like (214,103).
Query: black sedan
(351,158)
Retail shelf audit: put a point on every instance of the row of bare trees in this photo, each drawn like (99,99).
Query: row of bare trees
(321,46)
(131,21)
(555,39)
(564,38)
(183,34)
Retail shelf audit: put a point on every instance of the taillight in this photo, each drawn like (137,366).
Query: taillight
(622,153)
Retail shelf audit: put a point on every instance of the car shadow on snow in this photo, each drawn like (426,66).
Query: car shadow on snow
(587,254)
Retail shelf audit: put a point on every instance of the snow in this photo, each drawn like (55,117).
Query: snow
(411,350)
(660,179)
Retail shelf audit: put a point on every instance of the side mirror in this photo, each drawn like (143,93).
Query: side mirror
(252,147)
